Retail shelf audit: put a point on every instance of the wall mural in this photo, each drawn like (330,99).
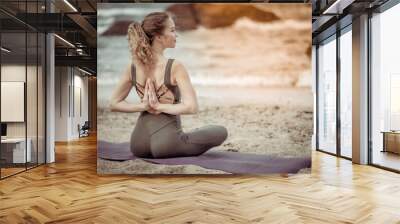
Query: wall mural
(204,88)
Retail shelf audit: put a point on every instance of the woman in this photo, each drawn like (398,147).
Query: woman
(166,92)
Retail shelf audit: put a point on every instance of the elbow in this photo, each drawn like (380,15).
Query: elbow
(113,106)
(193,109)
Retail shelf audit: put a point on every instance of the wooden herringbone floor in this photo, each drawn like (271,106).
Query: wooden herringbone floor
(70,191)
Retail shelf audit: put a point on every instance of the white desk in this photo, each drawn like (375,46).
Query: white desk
(18,149)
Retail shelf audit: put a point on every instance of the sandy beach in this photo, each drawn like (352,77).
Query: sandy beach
(252,77)
(269,121)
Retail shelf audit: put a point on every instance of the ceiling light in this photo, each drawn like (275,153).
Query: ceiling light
(70,5)
(5,49)
(80,51)
(64,40)
(337,7)
(84,71)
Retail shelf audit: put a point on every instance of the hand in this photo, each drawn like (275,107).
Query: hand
(145,100)
(152,98)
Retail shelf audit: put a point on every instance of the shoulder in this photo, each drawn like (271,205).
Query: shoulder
(127,74)
(178,69)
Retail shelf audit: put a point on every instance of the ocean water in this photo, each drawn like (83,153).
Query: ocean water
(246,54)
(107,13)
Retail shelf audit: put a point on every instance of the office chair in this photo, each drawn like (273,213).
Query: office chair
(84,130)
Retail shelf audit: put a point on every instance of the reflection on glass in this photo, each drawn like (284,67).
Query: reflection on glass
(395,102)
(385,89)
(346,94)
(14,153)
(327,96)
(23,89)
(31,101)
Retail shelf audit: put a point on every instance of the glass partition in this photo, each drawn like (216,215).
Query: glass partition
(22,90)
(14,154)
(31,99)
(385,89)
(327,95)
(346,93)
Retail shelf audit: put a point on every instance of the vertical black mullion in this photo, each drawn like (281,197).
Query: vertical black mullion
(26,86)
(338,74)
(369,90)
(317,97)
(45,95)
(45,89)
(37,89)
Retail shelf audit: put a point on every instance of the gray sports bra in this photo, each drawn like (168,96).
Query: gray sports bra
(166,93)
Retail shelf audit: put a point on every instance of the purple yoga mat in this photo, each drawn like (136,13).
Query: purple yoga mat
(231,162)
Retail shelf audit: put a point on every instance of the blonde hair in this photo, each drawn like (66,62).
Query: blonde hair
(141,36)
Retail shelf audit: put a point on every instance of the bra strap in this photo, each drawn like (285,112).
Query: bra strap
(167,81)
(167,75)
(177,95)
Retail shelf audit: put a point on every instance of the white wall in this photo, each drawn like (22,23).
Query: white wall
(61,103)
(33,126)
(14,73)
(80,83)
(68,83)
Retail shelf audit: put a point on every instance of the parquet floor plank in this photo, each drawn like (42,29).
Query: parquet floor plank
(70,191)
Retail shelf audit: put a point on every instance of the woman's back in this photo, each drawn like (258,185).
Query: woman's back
(165,90)
(161,135)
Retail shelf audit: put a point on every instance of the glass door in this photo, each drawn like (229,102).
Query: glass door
(327,95)
(346,92)
(22,77)
(385,89)
(14,154)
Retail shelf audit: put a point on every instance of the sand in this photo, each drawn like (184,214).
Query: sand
(268,121)
(253,78)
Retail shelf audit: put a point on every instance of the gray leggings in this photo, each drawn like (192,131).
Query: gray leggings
(161,136)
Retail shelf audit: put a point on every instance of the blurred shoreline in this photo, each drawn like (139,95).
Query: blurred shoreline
(234,95)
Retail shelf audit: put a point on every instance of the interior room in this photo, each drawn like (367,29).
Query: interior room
(48,150)
(45,82)
(385,89)
(22,99)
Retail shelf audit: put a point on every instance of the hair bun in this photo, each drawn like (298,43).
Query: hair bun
(144,31)
(140,41)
